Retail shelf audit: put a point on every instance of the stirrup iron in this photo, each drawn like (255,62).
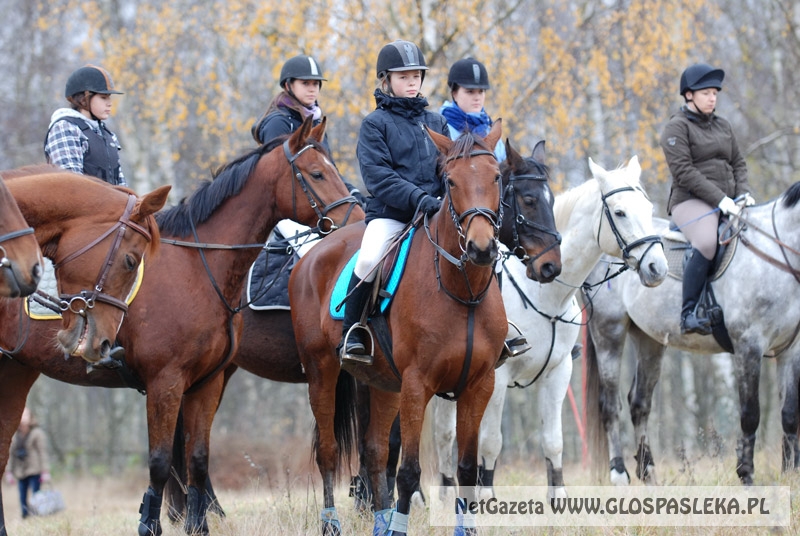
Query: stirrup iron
(361,359)
(516,345)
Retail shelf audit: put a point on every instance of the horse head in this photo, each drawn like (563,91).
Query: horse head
(625,226)
(20,256)
(310,169)
(471,179)
(96,235)
(529,228)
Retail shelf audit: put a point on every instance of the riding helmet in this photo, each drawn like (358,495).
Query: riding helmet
(301,67)
(400,56)
(90,78)
(468,73)
(701,76)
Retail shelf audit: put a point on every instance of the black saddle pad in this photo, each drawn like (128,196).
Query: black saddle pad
(268,279)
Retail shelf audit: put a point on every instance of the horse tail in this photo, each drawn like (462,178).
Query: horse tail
(175,489)
(595,431)
(345,420)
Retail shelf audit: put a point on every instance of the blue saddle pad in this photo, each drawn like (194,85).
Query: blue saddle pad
(340,289)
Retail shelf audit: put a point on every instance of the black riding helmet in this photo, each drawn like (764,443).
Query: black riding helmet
(701,76)
(301,67)
(468,73)
(90,78)
(400,56)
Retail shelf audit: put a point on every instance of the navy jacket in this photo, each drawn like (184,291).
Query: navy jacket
(397,157)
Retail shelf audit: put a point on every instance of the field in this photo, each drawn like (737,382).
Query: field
(289,503)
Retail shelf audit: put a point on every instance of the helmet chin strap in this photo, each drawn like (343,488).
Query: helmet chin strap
(698,112)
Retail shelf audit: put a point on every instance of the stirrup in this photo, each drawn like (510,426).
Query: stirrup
(691,324)
(361,359)
(516,345)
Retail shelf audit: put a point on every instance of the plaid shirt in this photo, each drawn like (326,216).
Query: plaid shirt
(66,146)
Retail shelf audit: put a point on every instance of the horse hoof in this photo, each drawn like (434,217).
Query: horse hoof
(153,528)
(417,500)
(620,479)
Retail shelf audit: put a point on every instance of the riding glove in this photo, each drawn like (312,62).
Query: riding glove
(728,207)
(429,205)
(748,200)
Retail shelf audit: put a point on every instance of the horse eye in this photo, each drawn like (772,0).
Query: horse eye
(130,263)
(619,212)
(450,183)
(498,178)
(529,200)
(316,175)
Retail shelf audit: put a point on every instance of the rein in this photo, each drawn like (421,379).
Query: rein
(784,264)
(5,262)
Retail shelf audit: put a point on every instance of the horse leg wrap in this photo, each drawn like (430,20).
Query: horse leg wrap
(744,453)
(465,525)
(330,522)
(644,460)
(196,508)
(618,466)
(150,522)
(382,518)
(398,524)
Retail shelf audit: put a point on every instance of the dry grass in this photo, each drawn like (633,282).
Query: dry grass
(109,506)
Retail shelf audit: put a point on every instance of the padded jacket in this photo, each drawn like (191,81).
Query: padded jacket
(703,158)
(397,157)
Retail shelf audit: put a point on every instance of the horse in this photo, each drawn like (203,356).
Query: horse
(450,270)
(97,236)
(181,329)
(20,257)
(267,346)
(760,322)
(609,213)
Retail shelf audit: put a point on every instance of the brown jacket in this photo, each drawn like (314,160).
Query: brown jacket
(35,448)
(703,158)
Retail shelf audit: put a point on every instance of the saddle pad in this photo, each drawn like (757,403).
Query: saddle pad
(49,285)
(675,248)
(268,280)
(340,289)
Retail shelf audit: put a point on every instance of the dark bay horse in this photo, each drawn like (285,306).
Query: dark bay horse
(757,294)
(97,235)
(182,328)
(449,275)
(268,349)
(20,257)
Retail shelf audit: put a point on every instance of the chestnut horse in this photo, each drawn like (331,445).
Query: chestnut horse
(267,347)
(96,235)
(20,257)
(447,325)
(182,328)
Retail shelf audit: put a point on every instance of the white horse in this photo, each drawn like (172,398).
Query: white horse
(609,213)
(758,294)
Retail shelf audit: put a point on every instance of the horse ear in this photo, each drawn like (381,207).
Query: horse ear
(538,152)
(597,171)
(633,164)
(298,138)
(443,143)
(151,203)
(513,157)
(318,132)
(494,134)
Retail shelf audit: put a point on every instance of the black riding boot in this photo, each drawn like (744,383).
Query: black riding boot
(355,346)
(694,277)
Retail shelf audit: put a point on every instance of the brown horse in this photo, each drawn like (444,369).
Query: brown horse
(451,271)
(20,257)
(268,349)
(96,235)
(182,328)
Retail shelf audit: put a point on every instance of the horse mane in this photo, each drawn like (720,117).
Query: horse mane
(226,182)
(33,169)
(792,195)
(566,201)
(464,144)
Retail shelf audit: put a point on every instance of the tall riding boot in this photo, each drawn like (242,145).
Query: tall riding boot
(694,277)
(354,345)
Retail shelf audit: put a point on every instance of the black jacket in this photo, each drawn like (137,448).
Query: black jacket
(397,157)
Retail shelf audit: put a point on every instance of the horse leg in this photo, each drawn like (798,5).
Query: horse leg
(163,405)
(360,485)
(199,408)
(747,363)
(551,394)
(491,433)
(444,436)
(383,410)
(790,419)
(15,383)
(649,355)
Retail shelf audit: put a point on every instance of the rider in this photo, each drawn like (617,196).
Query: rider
(468,81)
(708,172)
(398,162)
(78,139)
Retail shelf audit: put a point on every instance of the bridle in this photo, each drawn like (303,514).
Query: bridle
(5,262)
(521,223)
(625,247)
(86,299)
(325,224)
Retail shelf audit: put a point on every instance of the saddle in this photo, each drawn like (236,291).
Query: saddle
(677,250)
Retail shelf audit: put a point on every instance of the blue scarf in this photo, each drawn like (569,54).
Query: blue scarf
(479,123)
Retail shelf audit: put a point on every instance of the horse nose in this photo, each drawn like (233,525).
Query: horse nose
(549,271)
(36,273)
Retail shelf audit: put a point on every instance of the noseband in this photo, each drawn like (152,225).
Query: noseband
(325,225)
(5,262)
(520,221)
(626,248)
(86,299)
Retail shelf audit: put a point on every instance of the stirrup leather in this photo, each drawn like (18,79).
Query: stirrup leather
(364,359)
